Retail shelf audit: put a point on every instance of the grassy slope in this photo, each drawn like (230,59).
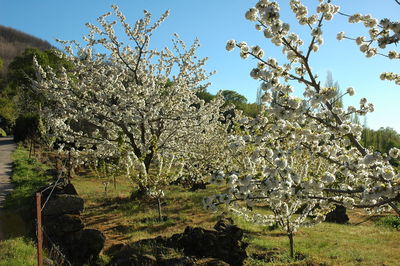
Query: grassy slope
(124,220)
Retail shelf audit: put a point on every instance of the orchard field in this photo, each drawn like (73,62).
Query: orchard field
(151,151)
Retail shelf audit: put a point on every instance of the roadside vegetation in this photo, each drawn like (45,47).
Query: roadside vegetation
(18,214)
(17,251)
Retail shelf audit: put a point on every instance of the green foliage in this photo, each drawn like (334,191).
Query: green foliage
(250,109)
(7,113)
(28,176)
(390,222)
(2,132)
(21,69)
(233,97)
(240,102)
(28,126)
(14,42)
(21,72)
(17,251)
(16,95)
(205,95)
(381,140)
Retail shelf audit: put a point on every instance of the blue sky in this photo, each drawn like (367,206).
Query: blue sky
(214,22)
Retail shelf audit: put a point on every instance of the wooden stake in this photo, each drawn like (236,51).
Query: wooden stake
(39,228)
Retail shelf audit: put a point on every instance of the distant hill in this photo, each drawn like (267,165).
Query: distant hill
(13,42)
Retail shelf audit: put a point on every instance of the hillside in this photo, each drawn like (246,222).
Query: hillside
(13,42)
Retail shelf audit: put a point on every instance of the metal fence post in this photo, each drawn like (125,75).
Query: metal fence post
(39,228)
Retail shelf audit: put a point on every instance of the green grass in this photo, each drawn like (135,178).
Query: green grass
(15,219)
(335,244)
(28,176)
(17,252)
(2,133)
(136,219)
(389,222)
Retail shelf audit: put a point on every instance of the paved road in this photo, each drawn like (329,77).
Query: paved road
(7,146)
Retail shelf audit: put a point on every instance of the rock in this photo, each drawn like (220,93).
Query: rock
(66,223)
(69,189)
(211,262)
(192,261)
(198,185)
(84,246)
(223,223)
(61,188)
(63,224)
(180,261)
(114,249)
(148,260)
(199,246)
(338,215)
(125,255)
(226,244)
(63,204)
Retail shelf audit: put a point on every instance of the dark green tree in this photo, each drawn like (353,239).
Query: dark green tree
(205,95)
(233,97)
(21,72)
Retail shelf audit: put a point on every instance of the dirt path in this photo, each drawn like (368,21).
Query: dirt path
(7,146)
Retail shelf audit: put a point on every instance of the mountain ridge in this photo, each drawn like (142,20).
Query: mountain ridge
(13,43)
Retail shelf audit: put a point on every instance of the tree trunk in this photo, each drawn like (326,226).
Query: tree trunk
(30,148)
(69,168)
(290,235)
(159,209)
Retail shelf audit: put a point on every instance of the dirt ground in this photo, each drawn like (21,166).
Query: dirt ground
(7,146)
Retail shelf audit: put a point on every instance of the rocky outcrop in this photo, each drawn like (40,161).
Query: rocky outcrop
(64,226)
(198,246)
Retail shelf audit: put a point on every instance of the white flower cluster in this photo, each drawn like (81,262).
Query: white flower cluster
(133,102)
(383,32)
(273,177)
(391,76)
(302,152)
(367,20)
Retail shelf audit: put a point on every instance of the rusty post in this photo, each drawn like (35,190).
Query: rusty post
(39,228)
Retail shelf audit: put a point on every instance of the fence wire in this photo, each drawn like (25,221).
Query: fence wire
(53,250)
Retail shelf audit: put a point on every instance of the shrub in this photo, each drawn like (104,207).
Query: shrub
(27,126)
(2,133)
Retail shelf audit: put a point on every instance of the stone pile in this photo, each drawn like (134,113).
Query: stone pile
(63,225)
(197,246)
